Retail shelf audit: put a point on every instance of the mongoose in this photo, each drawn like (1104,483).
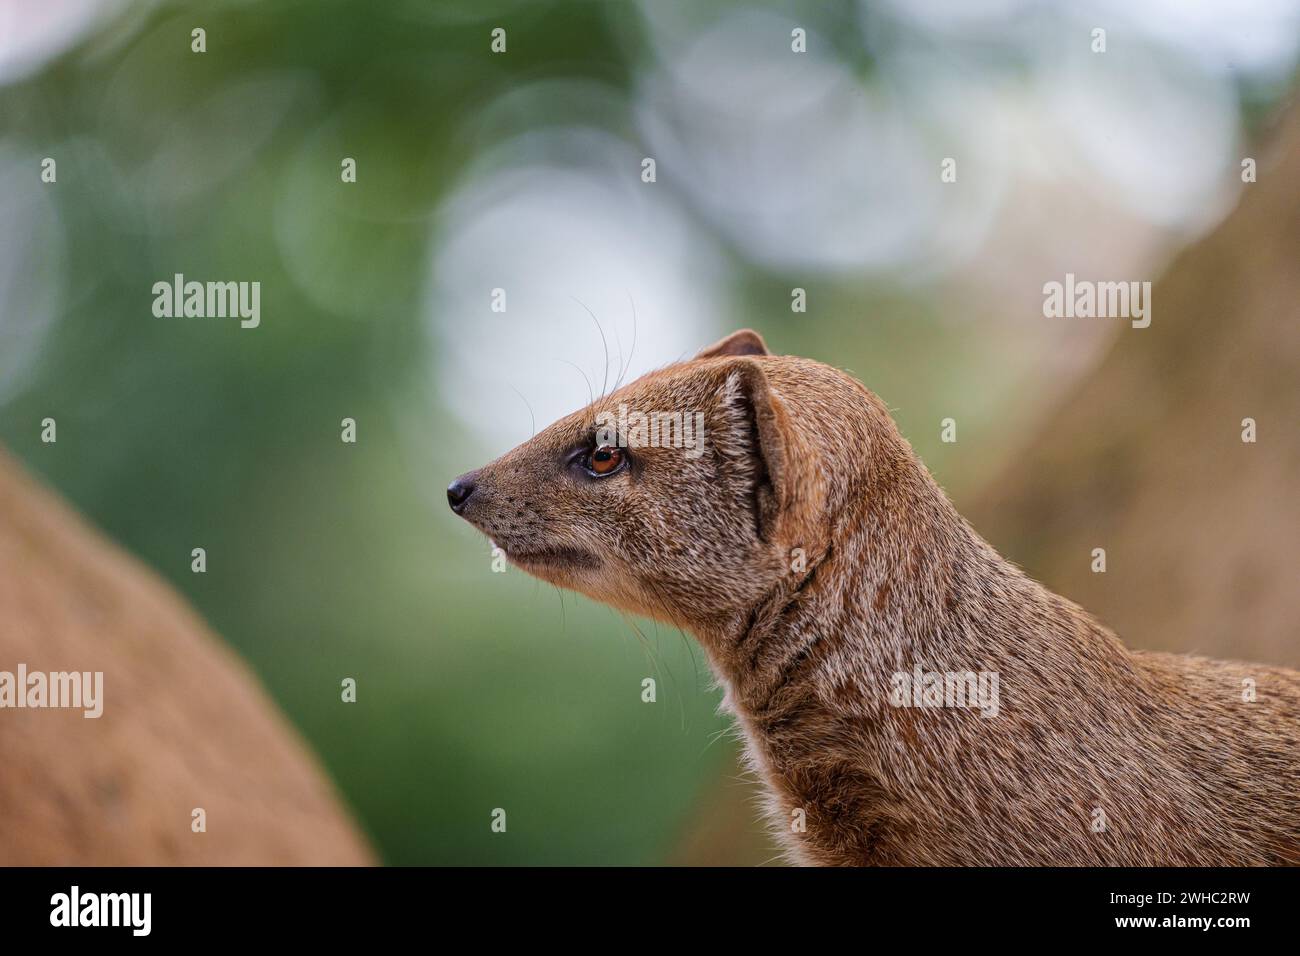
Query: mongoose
(816,560)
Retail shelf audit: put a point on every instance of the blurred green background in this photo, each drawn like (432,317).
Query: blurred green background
(522,170)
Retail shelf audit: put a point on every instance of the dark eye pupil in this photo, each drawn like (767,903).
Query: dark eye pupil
(605,459)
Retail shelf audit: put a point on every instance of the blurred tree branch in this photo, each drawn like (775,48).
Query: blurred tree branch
(1145,457)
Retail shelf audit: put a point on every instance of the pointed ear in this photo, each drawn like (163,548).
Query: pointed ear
(744,342)
(763,445)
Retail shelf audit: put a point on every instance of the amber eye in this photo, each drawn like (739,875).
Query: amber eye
(606,459)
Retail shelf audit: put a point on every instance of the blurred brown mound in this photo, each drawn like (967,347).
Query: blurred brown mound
(184,724)
(1145,458)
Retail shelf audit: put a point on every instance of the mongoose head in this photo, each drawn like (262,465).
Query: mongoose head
(686,495)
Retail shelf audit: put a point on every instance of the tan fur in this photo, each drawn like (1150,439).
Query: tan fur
(799,455)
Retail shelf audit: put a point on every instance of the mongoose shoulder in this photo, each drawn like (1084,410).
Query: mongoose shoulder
(769,505)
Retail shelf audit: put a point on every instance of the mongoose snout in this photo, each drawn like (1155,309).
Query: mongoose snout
(907,695)
(459,491)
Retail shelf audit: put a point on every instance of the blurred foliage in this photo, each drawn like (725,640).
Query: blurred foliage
(327,560)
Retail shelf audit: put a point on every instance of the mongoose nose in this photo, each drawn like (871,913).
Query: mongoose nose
(458,491)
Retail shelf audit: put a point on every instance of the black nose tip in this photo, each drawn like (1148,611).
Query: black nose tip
(458,491)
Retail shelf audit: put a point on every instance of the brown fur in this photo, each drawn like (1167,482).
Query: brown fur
(798,455)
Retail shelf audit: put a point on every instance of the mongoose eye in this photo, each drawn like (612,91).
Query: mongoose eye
(606,460)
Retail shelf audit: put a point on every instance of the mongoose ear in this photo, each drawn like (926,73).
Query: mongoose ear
(744,342)
(762,444)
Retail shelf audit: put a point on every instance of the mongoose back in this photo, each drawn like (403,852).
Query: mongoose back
(822,569)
